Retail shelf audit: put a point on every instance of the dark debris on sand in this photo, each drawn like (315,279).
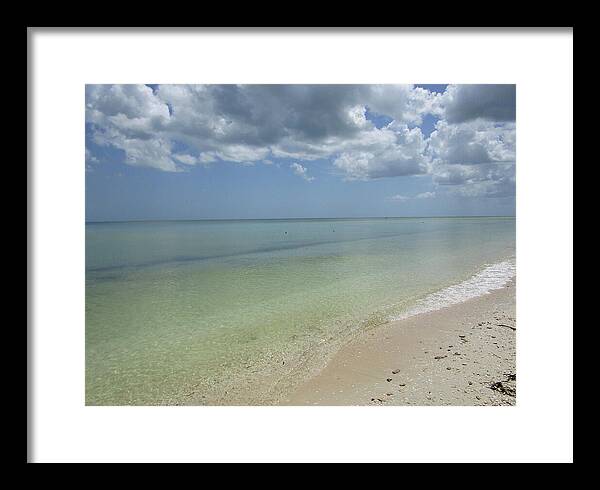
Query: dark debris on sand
(507,386)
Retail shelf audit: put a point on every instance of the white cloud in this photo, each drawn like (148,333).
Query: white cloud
(130,118)
(301,171)
(489,180)
(131,101)
(403,103)
(471,152)
(186,159)
(392,151)
(242,153)
(499,188)
(90,161)
(207,157)
(399,198)
(462,103)
(474,159)
(403,198)
(89,157)
(251,123)
(472,143)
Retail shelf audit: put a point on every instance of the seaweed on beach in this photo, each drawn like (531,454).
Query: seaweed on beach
(504,387)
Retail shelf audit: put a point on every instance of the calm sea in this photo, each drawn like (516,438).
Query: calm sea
(238,312)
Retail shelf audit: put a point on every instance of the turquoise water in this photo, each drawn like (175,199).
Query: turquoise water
(237,312)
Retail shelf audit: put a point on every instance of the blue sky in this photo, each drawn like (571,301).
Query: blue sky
(219,152)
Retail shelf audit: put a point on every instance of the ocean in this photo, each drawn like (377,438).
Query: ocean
(238,312)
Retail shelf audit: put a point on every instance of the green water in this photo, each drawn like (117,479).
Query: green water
(236,312)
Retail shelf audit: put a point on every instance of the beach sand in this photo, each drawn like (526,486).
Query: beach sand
(460,355)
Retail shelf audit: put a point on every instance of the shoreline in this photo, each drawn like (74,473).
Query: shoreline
(390,363)
(224,325)
(463,354)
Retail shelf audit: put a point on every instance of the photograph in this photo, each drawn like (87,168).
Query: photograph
(300,244)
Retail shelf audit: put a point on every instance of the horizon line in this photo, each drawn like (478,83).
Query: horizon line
(290,219)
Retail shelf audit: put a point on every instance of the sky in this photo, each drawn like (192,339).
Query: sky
(293,151)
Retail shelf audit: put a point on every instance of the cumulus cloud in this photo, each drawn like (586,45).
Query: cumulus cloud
(502,187)
(251,123)
(301,171)
(403,103)
(472,143)
(174,127)
(185,158)
(399,198)
(462,103)
(393,151)
(489,180)
(403,198)
(90,161)
(89,157)
(130,118)
(475,158)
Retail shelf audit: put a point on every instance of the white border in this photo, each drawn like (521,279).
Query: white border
(538,429)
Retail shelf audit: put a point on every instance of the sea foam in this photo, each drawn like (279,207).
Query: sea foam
(492,277)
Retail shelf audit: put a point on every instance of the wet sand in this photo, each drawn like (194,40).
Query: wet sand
(460,355)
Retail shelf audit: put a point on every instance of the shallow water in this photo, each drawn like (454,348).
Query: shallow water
(222,312)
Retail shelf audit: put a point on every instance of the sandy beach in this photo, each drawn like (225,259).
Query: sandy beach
(239,313)
(460,355)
